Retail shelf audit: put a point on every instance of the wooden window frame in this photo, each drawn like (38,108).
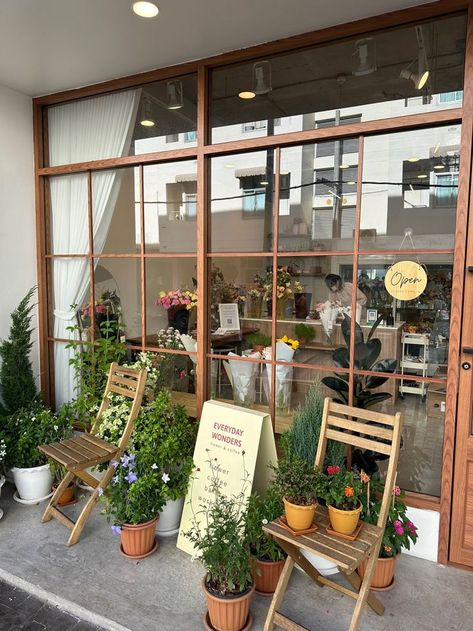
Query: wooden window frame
(203,153)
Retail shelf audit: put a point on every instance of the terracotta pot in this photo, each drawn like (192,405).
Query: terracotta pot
(383,575)
(266,575)
(138,539)
(228,613)
(67,495)
(299,517)
(344,521)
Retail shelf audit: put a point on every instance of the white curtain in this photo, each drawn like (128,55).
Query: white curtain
(91,129)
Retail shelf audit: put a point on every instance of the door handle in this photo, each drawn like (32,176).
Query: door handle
(468,350)
(470,268)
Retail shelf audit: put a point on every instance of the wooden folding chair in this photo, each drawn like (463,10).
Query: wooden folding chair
(88,450)
(338,423)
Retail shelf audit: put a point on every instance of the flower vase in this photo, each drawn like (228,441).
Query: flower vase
(178,318)
(281,306)
(254,307)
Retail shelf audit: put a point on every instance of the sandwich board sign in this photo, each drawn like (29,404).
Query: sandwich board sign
(237,439)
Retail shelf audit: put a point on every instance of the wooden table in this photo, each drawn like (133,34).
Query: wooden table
(217,341)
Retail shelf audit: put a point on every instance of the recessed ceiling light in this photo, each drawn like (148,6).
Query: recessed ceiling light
(246,94)
(145,9)
(147,122)
(422,176)
(413,159)
(437,167)
(264,183)
(344,166)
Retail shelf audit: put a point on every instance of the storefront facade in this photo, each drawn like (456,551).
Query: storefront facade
(285,179)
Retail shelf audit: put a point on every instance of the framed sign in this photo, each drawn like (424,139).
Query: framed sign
(371,316)
(229,318)
(405,280)
(226,433)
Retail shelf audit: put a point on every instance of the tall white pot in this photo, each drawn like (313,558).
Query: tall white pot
(324,567)
(33,483)
(170,518)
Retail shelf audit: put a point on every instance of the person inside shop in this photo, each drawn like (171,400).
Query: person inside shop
(341,292)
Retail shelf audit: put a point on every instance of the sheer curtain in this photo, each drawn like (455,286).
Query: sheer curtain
(91,129)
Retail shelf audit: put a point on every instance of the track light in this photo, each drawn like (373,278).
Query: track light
(174,94)
(364,57)
(147,119)
(262,77)
(145,9)
(418,71)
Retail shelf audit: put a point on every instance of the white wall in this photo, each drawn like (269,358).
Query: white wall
(17,213)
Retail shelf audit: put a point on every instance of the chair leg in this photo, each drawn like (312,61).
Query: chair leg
(279,593)
(47,516)
(364,592)
(375,604)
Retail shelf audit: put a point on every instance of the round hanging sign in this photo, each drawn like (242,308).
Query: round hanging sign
(405,280)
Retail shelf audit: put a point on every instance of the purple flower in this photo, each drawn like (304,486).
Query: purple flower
(115,479)
(100,491)
(114,463)
(125,460)
(131,477)
(116,530)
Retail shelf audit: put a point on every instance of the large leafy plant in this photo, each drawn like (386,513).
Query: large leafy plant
(366,357)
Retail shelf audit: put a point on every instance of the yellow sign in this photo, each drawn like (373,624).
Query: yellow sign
(405,280)
(225,432)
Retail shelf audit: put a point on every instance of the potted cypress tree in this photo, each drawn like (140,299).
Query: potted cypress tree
(224,548)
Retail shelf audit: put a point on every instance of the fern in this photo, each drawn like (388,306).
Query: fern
(17,383)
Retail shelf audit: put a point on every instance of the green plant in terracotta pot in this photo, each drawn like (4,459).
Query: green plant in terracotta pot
(258,341)
(399,533)
(268,557)
(342,491)
(223,547)
(299,486)
(59,472)
(304,332)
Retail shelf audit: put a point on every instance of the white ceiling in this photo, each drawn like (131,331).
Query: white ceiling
(52,45)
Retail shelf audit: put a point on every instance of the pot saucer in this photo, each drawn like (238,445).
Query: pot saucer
(265,594)
(383,589)
(209,627)
(139,556)
(18,499)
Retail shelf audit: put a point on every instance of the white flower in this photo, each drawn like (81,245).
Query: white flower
(265,521)
(56,427)
(165,478)
(154,466)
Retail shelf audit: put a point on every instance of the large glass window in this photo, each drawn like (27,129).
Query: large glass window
(395,72)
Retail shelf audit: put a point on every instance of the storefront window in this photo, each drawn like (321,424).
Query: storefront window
(396,72)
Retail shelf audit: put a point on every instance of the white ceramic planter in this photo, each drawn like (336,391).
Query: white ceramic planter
(33,483)
(170,518)
(324,567)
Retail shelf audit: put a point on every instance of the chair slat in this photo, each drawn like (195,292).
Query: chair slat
(95,440)
(51,452)
(362,428)
(91,448)
(367,415)
(357,441)
(74,457)
(124,370)
(59,515)
(123,391)
(286,623)
(124,381)
(74,445)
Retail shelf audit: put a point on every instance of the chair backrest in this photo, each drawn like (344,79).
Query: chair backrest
(367,430)
(129,383)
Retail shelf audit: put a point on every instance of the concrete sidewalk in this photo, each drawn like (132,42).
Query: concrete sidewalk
(94,582)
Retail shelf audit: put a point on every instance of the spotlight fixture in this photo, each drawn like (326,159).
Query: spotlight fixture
(438,167)
(246,94)
(145,9)
(422,176)
(417,71)
(344,166)
(413,159)
(262,77)
(264,183)
(147,119)
(364,57)
(174,95)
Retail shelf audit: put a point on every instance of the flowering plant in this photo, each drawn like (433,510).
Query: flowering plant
(29,428)
(261,511)
(294,344)
(114,418)
(176,297)
(342,489)
(169,338)
(137,491)
(285,286)
(399,531)
(297,481)
(223,544)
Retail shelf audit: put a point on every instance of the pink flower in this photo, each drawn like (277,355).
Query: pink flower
(397,491)
(398,528)
(411,527)
(182,374)
(333,469)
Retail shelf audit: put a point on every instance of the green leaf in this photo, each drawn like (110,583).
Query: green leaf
(341,358)
(335,384)
(375,326)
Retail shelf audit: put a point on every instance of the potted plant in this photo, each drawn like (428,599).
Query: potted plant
(133,501)
(399,533)
(168,432)
(258,342)
(59,473)
(304,332)
(26,430)
(223,547)
(268,557)
(298,484)
(342,491)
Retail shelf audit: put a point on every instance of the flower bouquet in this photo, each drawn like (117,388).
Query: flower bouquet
(242,376)
(286,287)
(284,353)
